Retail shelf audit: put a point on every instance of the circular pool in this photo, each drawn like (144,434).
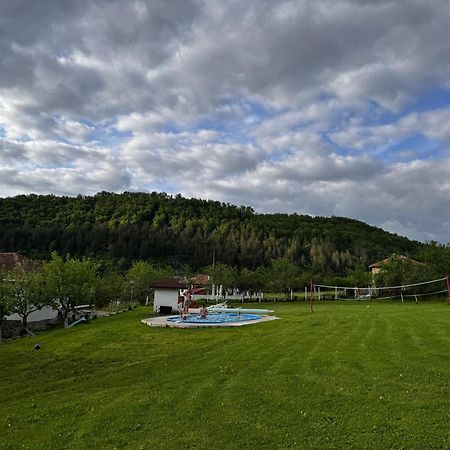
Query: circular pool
(214,318)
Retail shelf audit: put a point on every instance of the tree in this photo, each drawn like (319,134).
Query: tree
(437,257)
(358,277)
(250,280)
(222,275)
(141,276)
(5,299)
(70,283)
(133,226)
(283,274)
(395,272)
(27,294)
(110,288)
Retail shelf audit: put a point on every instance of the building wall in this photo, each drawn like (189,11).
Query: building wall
(46,313)
(166,297)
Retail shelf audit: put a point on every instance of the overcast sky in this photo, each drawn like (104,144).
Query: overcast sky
(322,107)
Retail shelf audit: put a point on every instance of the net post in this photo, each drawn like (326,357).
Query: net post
(311,296)
(448,288)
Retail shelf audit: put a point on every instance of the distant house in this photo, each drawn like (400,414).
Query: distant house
(201,284)
(376,267)
(47,313)
(201,280)
(167,293)
(11,261)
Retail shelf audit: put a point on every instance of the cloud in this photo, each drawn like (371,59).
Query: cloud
(315,107)
(11,152)
(405,198)
(64,181)
(434,125)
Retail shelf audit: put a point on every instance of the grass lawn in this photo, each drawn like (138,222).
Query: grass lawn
(346,376)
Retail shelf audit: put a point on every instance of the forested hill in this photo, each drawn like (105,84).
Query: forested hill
(176,230)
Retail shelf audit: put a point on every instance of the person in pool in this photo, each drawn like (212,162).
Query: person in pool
(186,302)
(203,312)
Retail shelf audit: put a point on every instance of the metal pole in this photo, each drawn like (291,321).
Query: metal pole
(448,288)
(311,297)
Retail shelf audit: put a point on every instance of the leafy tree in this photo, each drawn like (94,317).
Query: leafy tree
(141,276)
(5,299)
(250,280)
(222,275)
(110,288)
(160,228)
(70,282)
(437,257)
(358,277)
(304,279)
(27,291)
(395,272)
(283,274)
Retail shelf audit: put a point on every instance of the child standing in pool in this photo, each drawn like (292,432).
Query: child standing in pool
(186,302)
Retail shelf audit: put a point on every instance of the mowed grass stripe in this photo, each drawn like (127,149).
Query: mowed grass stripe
(346,376)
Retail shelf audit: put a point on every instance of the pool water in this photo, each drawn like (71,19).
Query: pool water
(215,318)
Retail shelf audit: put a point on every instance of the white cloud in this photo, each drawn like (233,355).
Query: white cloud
(282,105)
(434,124)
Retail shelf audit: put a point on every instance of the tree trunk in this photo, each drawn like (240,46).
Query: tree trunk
(25,321)
(25,325)
(2,315)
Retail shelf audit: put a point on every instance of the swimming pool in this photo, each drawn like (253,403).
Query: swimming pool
(215,318)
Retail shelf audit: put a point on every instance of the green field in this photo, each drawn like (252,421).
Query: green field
(346,376)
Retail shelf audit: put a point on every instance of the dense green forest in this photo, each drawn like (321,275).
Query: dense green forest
(177,231)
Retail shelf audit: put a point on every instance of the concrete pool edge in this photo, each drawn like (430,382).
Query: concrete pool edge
(163,322)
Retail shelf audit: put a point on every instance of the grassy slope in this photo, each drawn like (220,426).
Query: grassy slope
(345,376)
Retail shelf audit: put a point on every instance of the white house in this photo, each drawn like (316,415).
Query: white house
(46,313)
(167,293)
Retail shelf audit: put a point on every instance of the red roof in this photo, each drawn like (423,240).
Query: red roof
(398,257)
(170,283)
(11,261)
(201,279)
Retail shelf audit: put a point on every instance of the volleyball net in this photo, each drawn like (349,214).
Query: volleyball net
(439,288)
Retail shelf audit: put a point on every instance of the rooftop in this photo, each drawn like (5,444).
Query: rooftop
(11,261)
(170,283)
(397,257)
(201,280)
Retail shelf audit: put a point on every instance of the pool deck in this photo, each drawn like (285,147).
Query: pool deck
(161,321)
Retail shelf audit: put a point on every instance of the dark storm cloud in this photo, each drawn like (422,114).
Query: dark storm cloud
(11,152)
